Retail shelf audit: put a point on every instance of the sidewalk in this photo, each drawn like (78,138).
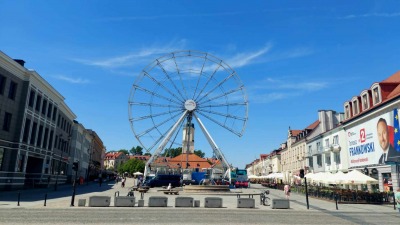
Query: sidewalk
(34,198)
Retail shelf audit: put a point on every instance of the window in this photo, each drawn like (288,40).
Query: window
(38,102)
(13,90)
(54,113)
(365,102)
(1,158)
(49,109)
(50,140)
(319,148)
(33,133)
(347,110)
(327,142)
(3,81)
(376,95)
(31,98)
(7,121)
(55,141)
(310,162)
(44,105)
(309,149)
(26,130)
(319,160)
(328,160)
(336,139)
(337,158)
(355,107)
(39,139)
(46,135)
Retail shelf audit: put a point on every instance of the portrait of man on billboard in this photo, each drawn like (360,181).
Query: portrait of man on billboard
(388,151)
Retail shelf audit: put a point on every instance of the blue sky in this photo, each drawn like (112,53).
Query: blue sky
(294,57)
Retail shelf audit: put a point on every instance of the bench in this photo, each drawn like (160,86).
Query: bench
(175,192)
(142,190)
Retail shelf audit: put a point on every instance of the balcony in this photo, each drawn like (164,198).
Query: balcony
(314,153)
(335,148)
(308,155)
(327,150)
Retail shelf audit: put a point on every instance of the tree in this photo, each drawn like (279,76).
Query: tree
(131,166)
(199,153)
(138,150)
(147,154)
(124,151)
(172,152)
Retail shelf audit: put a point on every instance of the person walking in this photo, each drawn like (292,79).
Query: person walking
(286,190)
(123,182)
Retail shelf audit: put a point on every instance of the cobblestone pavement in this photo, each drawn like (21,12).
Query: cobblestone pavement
(35,198)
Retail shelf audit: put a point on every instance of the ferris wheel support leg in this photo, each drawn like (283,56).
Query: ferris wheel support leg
(163,143)
(215,148)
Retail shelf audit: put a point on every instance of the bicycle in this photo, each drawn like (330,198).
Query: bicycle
(264,199)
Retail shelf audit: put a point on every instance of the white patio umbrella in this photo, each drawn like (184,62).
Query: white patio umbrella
(336,178)
(137,173)
(323,177)
(356,177)
(253,177)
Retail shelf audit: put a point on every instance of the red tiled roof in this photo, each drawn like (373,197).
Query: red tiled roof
(394,93)
(313,125)
(393,83)
(295,132)
(395,78)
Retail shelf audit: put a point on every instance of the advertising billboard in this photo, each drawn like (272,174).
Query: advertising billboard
(375,141)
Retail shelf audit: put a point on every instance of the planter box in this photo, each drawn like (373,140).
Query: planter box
(212,202)
(157,201)
(183,202)
(246,203)
(280,204)
(99,201)
(124,201)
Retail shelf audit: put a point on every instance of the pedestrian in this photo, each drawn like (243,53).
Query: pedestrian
(123,182)
(397,199)
(286,189)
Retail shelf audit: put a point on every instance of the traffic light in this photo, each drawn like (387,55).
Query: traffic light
(301,173)
(75,166)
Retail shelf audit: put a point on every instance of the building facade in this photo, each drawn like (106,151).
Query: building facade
(38,139)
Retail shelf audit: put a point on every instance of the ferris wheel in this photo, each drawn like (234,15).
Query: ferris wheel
(181,88)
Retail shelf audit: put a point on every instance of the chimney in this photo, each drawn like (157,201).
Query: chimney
(20,61)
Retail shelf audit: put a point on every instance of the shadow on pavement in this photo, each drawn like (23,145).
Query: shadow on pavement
(64,190)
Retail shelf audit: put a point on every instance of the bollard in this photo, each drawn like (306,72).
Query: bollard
(45,199)
(115,194)
(336,200)
(19,197)
(141,195)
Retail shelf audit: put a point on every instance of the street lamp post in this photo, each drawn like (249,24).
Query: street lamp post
(76,168)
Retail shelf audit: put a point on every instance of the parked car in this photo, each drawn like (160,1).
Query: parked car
(164,180)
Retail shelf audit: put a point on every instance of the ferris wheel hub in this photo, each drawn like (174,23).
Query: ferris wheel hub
(190,105)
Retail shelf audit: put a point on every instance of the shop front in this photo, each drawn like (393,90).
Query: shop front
(373,147)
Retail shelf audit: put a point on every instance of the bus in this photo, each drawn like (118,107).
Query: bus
(241,178)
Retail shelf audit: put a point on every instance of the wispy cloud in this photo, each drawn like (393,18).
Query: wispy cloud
(156,17)
(271,89)
(371,15)
(143,56)
(72,80)
(246,58)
